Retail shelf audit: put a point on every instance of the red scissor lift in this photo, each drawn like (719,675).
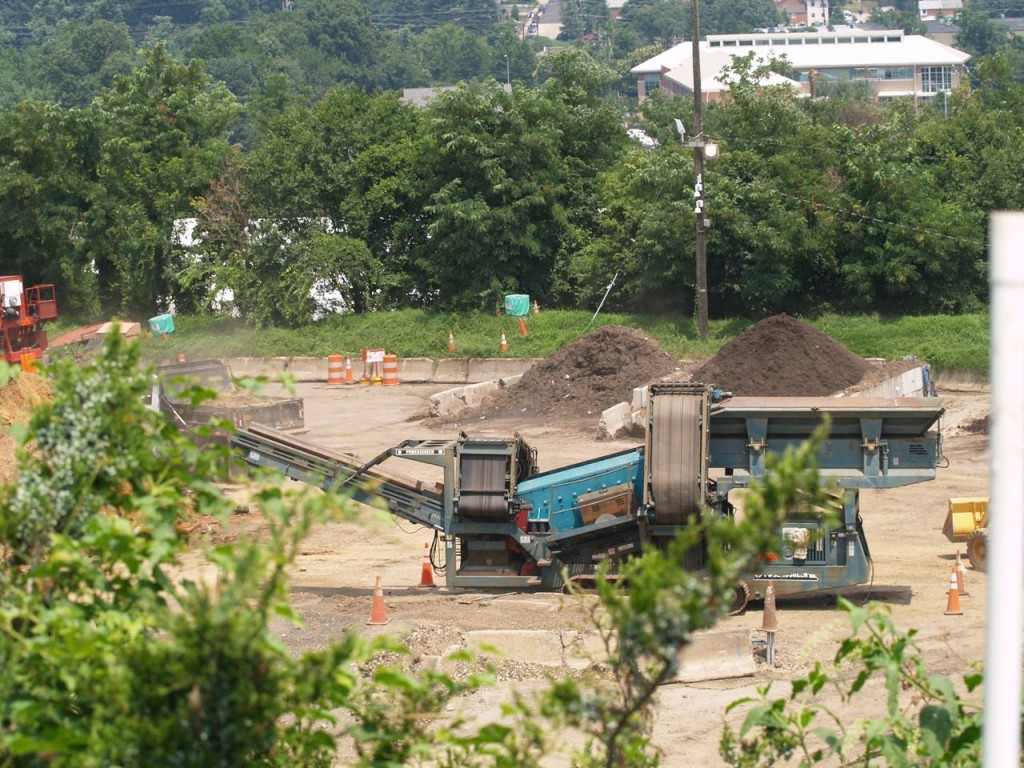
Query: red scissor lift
(23,314)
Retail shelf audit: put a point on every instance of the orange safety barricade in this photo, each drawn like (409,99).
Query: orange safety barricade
(335,369)
(390,370)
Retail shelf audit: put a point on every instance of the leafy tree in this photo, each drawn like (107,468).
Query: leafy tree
(724,17)
(350,160)
(643,238)
(495,214)
(47,178)
(451,53)
(978,35)
(341,37)
(914,250)
(163,139)
(75,65)
(656,21)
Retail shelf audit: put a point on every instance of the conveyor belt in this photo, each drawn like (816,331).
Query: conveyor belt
(482,486)
(675,456)
(408,498)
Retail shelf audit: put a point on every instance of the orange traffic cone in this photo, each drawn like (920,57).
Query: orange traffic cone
(451,341)
(504,342)
(961,575)
(181,357)
(522,328)
(349,378)
(536,307)
(953,602)
(427,573)
(379,613)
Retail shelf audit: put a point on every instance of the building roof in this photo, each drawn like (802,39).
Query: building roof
(940,5)
(814,49)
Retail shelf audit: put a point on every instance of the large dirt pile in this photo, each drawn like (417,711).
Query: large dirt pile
(782,357)
(595,372)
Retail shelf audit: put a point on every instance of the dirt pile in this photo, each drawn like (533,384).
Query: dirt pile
(595,372)
(17,399)
(782,357)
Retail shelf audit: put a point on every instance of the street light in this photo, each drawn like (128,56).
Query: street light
(508,73)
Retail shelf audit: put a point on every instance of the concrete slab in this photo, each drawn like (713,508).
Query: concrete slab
(534,646)
(717,655)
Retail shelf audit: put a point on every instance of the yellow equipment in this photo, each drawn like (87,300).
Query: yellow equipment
(967,520)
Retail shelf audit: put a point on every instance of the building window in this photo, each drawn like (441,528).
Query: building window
(896,73)
(652,82)
(936,79)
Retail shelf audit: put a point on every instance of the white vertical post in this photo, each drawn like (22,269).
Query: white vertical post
(1005,626)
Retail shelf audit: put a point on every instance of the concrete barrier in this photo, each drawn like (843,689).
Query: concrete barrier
(308,368)
(449,370)
(916,382)
(452,370)
(496,368)
(445,404)
(415,369)
(717,655)
(534,646)
(271,367)
(616,421)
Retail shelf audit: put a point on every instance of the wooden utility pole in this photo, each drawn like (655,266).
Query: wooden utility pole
(698,170)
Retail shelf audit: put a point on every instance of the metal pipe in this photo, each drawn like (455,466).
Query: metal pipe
(1005,625)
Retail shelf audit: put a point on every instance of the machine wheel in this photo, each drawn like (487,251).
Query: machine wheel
(977,549)
(740,598)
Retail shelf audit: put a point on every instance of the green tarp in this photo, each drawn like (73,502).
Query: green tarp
(517,305)
(161,324)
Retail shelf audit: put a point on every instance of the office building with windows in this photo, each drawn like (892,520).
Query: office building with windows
(887,63)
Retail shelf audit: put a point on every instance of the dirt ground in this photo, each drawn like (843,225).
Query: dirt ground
(333,582)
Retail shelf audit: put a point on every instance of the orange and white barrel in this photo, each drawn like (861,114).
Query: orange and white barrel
(390,370)
(335,369)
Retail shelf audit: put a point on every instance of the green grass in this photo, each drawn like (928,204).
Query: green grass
(947,342)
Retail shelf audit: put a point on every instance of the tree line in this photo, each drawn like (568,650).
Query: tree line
(358,200)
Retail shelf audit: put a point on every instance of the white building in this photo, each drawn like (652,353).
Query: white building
(892,64)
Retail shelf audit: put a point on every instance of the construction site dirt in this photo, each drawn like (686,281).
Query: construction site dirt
(334,577)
